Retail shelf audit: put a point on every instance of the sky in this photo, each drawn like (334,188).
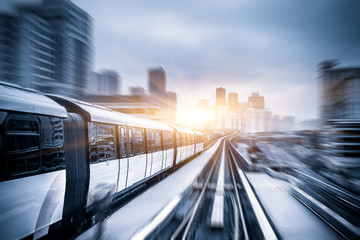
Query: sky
(271,47)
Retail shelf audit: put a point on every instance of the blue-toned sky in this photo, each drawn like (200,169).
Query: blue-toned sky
(271,47)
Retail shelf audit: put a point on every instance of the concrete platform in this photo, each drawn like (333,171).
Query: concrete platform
(135,215)
(292,218)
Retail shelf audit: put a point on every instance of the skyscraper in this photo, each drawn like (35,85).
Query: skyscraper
(108,82)
(256,101)
(159,96)
(233,102)
(50,46)
(157,82)
(340,89)
(220,97)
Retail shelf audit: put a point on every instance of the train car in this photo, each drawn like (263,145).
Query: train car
(32,173)
(60,157)
(121,150)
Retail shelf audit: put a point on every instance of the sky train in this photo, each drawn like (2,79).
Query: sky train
(58,155)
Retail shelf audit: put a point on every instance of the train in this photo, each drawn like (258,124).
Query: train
(59,156)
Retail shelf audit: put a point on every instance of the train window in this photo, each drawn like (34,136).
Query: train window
(23,146)
(164,138)
(167,140)
(139,141)
(183,139)
(101,142)
(157,138)
(178,142)
(122,142)
(150,140)
(32,145)
(170,140)
(130,142)
(52,144)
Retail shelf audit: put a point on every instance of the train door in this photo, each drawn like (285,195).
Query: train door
(137,157)
(149,150)
(124,161)
(178,147)
(170,150)
(183,147)
(104,165)
(157,154)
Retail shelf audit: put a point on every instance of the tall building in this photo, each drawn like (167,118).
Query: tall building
(50,43)
(233,102)
(256,101)
(340,113)
(340,91)
(220,97)
(159,96)
(108,82)
(138,91)
(157,82)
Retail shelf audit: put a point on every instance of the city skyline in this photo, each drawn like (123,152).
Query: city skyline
(244,47)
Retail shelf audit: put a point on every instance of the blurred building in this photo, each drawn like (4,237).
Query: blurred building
(47,46)
(340,114)
(233,102)
(166,101)
(220,97)
(340,89)
(130,104)
(257,120)
(138,91)
(157,82)
(256,101)
(108,83)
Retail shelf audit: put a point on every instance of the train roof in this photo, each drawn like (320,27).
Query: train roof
(104,115)
(16,98)
(183,130)
(198,132)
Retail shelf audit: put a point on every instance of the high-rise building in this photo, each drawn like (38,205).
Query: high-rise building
(157,82)
(256,101)
(159,96)
(108,82)
(340,112)
(138,91)
(340,91)
(220,97)
(50,43)
(233,102)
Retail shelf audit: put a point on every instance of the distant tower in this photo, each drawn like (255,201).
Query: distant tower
(108,82)
(256,101)
(233,102)
(157,82)
(220,97)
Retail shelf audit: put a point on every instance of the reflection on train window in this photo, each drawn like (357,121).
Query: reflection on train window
(34,145)
(130,142)
(157,138)
(150,140)
(101,142)
(23,144)
(178,142)
(122,142)
(139,141)
(52,144)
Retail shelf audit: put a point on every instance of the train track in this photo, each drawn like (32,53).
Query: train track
(219,205)
(338,207)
